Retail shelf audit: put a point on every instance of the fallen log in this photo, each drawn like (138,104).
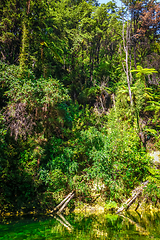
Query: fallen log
(65,204)
(59,205)
(132,199)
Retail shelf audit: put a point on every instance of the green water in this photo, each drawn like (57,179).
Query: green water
(80,226)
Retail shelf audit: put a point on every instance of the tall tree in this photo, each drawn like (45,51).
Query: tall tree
(10,30)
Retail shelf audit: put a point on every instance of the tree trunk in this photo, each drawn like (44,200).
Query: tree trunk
(126,49)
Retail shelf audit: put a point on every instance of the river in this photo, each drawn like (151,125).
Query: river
(132,225)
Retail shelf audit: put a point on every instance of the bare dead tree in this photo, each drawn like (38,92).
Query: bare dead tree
(126,67)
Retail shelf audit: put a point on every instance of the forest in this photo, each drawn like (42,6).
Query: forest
(79,101)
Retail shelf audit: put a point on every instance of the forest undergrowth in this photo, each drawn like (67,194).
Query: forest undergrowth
(79,102)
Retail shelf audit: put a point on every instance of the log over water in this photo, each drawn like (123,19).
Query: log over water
(132,199)
(64,203)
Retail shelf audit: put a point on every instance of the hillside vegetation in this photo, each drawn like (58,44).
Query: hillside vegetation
(79,101)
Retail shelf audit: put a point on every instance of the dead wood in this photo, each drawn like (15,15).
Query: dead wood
(132,199)
(59,205)
(65,204)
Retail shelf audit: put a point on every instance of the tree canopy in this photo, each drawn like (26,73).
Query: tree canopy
(79,99)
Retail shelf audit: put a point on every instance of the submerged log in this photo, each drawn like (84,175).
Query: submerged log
(132,199)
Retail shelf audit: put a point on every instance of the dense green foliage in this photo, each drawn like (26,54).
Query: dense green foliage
(79,100)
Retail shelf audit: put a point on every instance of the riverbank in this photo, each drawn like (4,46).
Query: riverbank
(99,207)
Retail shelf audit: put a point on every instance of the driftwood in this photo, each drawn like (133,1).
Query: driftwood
(64,203)
(132,199)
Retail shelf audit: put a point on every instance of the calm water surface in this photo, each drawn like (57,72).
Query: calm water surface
(80,226)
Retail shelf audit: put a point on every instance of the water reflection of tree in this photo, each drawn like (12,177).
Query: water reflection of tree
(139,228)
(132,225)
(63,221)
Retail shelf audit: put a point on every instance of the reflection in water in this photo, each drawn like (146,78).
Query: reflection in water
(63,221)
(139,228)
(131,226)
